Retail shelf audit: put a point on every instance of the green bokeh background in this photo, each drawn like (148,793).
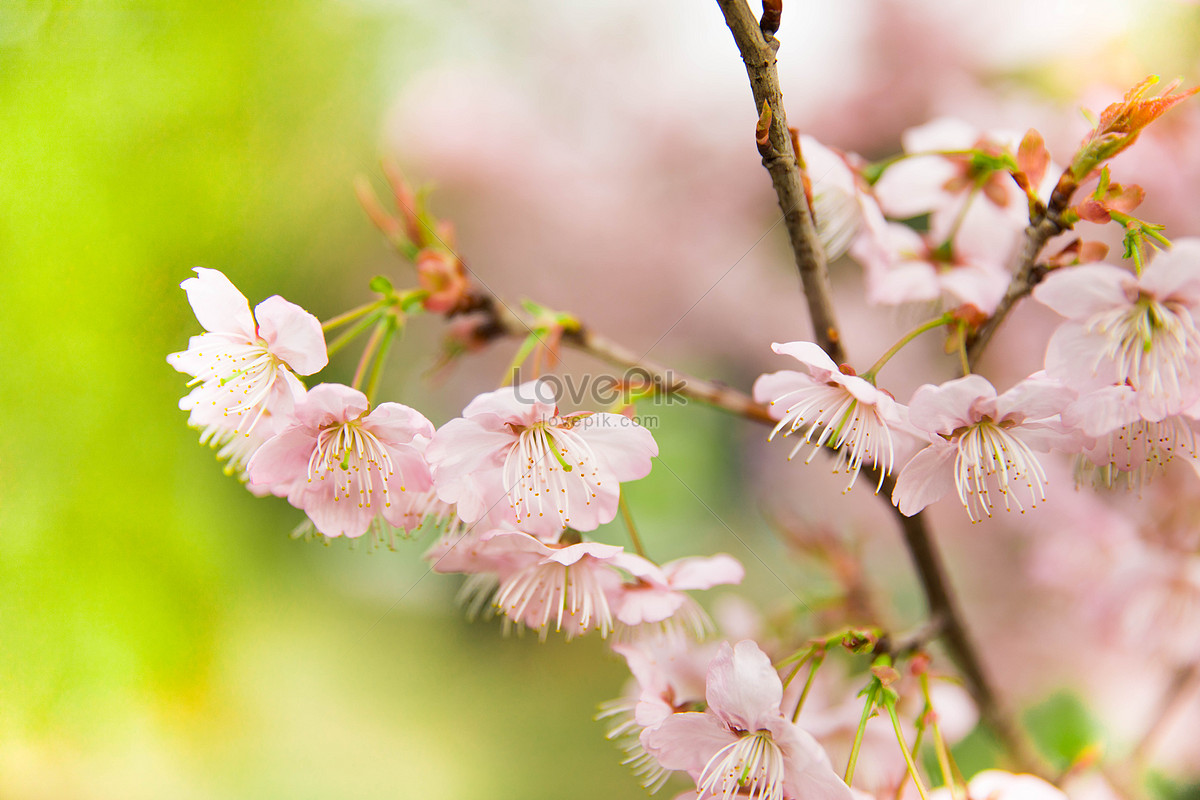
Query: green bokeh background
(162,636)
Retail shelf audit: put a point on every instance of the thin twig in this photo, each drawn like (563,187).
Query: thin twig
(757,44)
(1044,225)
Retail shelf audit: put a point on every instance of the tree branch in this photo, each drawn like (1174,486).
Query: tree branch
(1044,225)
(757,44)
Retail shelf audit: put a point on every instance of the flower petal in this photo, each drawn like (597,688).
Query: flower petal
(743,689)
(942,409)
(686,741)
(292,334)
(1079,292)
(704,573)
(218,304)
(927,478)
(810,354)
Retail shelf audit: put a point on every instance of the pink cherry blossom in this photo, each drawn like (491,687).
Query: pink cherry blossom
(831,408)
(513,457)
(741,744)
(904,266)
(939,171)
(346,467)
(569,586)
(669,675)
(1127,448)
(1125,329)
(980,440)
(244,368)
(656,599)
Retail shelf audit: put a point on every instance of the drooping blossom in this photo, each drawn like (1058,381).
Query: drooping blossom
(742,745)
(982,443)
(1125,329)
(902,265)
(344,464)
(1126,447)
(512,457)
(668,676)
(244,367)
(656,598)
(567,586)
(831,407)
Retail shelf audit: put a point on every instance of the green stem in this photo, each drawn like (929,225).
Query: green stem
(361,371)
(868,707)
(390,328)
(962,215)
(818,659)
(945,763)
(531,341)
(350,335)
(964,362)
(870,374)
(353,314)
(890,704)
(633,534)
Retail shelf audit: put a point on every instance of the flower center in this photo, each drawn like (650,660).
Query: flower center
(547,471)
(355,461)
(828,414)
(1134,453)
(238,379)
(753,763)
(987,453)
(1152,344)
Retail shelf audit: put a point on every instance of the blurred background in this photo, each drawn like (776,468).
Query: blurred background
(162,635)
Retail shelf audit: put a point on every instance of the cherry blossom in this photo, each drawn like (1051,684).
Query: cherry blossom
(1125,329)
(741,744)
(567,585)
(831,407)
(980,440)
(344,464)
(244,367)
(656,598)
(668,676)
(905,266)
(1126,447)
(512,457)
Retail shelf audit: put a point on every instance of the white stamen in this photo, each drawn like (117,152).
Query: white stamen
(988,451)
(545,589)
(1154,345)
(750,767)
(356,462)
(838,419)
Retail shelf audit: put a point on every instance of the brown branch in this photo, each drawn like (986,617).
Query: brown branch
(500,320)
(941,602)
(757,44)
(1044,225)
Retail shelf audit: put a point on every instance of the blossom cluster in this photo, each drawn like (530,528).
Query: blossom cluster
(516,490)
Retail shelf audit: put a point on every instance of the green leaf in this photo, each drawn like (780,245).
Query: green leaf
(381,285)
(1061,728)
